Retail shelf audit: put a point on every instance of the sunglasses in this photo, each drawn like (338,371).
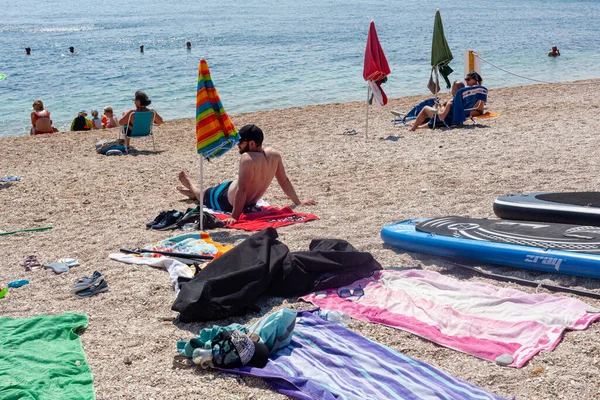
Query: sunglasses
(468,78)
(345,293)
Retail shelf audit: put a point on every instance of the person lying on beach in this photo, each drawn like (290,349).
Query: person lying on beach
(257,169)
(474,79)
(81,123)
(111,119)
(40,119)
(141,102)
(442,111)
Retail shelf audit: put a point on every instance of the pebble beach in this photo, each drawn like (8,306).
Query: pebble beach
(545,139)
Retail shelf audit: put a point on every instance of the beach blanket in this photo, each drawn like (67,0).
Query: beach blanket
(268,217)
(176,268)
(42,358)
(326,361)
(496,324)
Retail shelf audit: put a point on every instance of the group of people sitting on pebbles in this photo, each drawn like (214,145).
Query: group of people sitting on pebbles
(42,124)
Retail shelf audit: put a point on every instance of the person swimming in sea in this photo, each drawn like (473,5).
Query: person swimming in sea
(554,52)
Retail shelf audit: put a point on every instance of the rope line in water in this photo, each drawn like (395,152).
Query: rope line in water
(536,80)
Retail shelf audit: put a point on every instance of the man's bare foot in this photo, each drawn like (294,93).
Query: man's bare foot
(186,192)
(185,181)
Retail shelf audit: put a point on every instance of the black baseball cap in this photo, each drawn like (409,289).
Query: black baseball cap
(251,132)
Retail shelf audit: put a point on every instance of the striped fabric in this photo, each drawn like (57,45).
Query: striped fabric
(215,133)
(493,323)
(326,361)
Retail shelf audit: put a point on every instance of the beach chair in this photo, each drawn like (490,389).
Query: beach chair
(412,114)
(142,126)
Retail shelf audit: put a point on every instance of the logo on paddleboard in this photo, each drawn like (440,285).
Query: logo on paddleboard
(554,261)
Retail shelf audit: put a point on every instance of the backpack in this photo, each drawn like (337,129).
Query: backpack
(112,145)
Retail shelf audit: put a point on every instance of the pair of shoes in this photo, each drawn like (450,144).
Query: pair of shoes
(168,220)
(86,287)
(156,220)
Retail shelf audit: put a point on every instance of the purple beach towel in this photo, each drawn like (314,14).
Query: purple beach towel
(326,361)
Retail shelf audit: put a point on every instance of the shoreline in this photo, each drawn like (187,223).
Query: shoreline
(422,96)
(98,204)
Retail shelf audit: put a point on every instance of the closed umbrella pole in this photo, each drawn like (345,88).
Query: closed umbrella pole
(215,133)
(440,54)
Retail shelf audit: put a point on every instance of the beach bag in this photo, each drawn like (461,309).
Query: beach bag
(111,145)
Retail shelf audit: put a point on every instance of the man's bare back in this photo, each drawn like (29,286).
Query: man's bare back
(257,169)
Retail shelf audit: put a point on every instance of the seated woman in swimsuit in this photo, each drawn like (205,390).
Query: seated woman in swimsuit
(474,79)
(40,119)
(141,102)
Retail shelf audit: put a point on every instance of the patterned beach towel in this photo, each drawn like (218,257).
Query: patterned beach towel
(269,217)
(326,362)
(42,358)
(496,324)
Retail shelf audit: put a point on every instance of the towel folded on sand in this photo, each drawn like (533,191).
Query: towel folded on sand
(504,325)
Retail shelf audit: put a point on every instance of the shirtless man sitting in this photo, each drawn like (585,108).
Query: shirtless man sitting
(257,169)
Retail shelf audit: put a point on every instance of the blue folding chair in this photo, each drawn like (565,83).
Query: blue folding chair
(142,126)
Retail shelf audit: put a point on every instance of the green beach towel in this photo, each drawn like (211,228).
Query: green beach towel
(42,358)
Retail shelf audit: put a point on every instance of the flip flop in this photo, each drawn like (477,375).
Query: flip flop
(71,262)
(183,362)
(57,267)
(18,284)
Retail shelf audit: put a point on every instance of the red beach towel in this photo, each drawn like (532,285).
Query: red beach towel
(269,217)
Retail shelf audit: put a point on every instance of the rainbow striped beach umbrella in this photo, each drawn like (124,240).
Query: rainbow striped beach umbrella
(215,133)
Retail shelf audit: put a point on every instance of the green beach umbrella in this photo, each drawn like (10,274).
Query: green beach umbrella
(440,51)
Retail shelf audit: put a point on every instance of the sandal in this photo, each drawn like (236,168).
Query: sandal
(183,362)
(31,263)
(349,133)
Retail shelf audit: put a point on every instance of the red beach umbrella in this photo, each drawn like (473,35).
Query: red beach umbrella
(375,69)
(376,66)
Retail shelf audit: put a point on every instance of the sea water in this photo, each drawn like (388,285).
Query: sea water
(267,54)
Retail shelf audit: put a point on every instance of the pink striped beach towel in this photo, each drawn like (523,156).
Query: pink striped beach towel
(504,325)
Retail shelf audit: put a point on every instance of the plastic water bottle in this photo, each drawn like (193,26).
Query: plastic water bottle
(202,357)
(335,317)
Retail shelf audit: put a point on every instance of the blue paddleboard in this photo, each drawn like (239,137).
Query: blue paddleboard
(544,246)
